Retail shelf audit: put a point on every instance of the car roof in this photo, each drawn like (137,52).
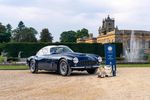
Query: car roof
(51,46)
(47,48)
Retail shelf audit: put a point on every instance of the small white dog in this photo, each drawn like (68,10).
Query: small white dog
(105,71)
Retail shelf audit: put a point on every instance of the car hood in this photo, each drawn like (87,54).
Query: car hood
(81,56)
(75,54)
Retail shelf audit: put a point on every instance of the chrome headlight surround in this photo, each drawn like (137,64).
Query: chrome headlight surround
(99,59)
(75,60)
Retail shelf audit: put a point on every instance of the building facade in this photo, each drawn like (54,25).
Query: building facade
(89,39)
(108,33)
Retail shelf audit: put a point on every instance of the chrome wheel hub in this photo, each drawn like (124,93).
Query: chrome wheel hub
(63,68)
(32,65)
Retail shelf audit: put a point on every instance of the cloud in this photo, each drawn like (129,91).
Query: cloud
(62,15)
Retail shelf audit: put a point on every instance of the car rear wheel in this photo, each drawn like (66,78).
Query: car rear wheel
(91,71)
(64,68)
(33,66)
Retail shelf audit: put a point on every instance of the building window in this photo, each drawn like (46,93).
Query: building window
(110,29)
(149,43)
(143,44)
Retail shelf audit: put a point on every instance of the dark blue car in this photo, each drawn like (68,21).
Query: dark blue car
(63,60)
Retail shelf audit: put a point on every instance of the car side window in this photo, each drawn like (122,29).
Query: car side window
(53,50)
(43,51)
(59,50)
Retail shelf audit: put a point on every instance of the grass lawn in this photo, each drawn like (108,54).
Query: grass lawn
(4,67)
(133,65)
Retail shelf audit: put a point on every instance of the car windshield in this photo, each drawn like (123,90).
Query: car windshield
(59,50)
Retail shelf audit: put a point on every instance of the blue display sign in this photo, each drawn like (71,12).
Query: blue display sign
(110,56)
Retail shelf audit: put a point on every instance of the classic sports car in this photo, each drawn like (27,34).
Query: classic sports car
(63,60)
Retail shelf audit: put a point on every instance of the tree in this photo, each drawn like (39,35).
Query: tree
(82,33)
(5,33)
(8,31)
(24,34)
(21,25)
(68,36)
(8,28)
(46,36)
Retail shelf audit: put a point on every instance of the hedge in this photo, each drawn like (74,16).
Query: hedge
(29,49)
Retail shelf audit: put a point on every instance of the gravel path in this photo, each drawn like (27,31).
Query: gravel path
(129,84)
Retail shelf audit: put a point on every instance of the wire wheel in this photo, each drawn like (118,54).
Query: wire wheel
(64,69)
(33,67)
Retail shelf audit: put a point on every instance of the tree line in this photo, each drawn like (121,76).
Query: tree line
(28,34)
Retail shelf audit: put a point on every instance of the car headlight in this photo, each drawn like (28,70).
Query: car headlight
(75,60)
(99,59)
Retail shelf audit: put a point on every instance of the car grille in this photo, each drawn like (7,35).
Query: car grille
(87,63)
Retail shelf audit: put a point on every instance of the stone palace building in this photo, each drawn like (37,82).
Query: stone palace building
(108,33)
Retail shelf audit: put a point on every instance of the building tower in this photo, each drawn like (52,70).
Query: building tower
(108,25)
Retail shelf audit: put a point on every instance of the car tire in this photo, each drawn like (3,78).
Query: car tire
(64,68)
(33,66)
(92,71)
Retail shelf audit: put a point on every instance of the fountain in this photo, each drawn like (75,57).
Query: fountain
(133,52)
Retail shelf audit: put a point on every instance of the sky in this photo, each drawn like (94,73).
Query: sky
(65,15)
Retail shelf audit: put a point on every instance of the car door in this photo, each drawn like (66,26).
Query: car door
(47,62)
(40,58)
(44,61)
(53,60)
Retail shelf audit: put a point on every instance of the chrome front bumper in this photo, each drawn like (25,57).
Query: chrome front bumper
(85,67)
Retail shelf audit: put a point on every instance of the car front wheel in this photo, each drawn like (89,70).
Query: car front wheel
(91,71)
(64,68)
(33,66)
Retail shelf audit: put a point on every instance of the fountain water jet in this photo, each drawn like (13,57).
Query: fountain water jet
(133,53)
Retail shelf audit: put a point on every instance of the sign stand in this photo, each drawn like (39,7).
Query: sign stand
(110,57)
